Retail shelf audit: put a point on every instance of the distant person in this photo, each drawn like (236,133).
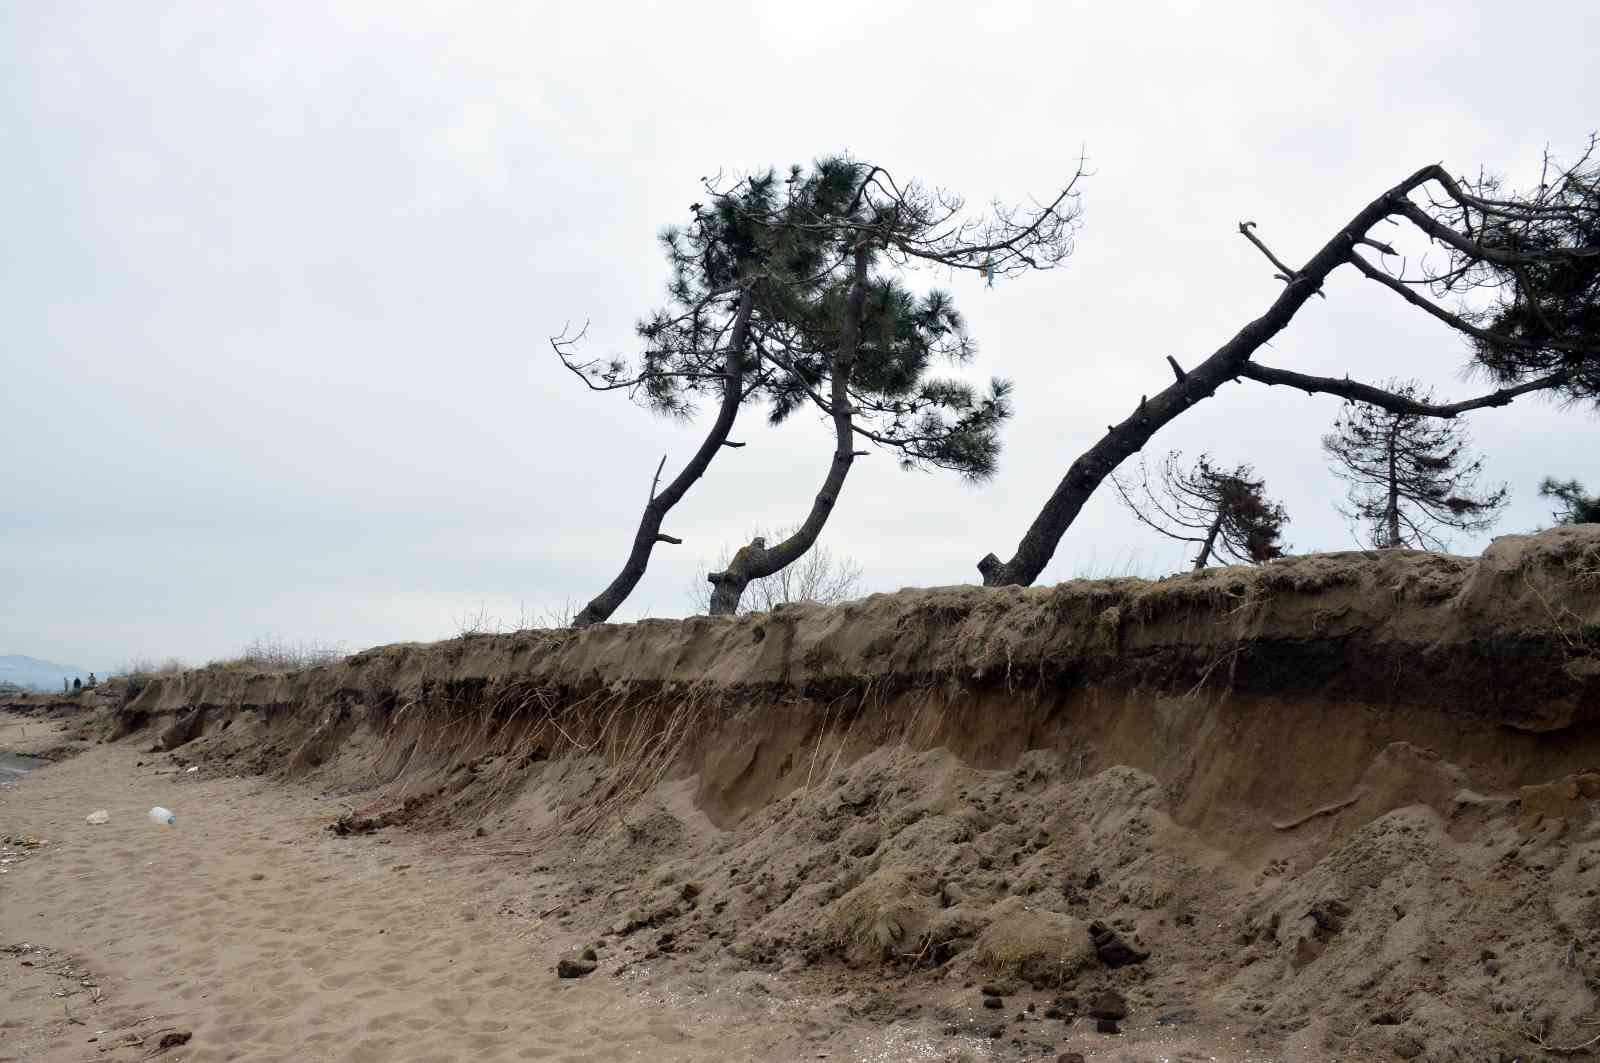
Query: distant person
(66,687)
(92,680)
(77,685)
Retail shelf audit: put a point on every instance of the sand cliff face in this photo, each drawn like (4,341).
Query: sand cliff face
(1301,671)
(1330,791)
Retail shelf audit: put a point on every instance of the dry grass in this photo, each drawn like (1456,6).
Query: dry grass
(1585,567)
(267,653)
(885,914)
(278,654)
(638,739)
(148,668)
(1038,946)
(1575,568)
(482,622)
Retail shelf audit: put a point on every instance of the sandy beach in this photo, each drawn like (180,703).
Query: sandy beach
(262,936)
(265,937)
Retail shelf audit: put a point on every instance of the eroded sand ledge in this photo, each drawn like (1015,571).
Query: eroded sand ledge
(1231,686)
(1344,800)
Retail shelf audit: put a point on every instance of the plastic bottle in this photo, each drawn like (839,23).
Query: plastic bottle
(163,816)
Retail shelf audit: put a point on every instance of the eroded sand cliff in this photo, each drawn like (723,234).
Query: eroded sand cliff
(1344,802)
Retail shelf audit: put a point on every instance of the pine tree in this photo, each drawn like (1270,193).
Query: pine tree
(1225,511)
(790,293)
(1411,477)
(1576,507)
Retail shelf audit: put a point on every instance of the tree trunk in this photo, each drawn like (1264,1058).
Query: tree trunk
(1210,540)
(655,511)
(1391,512)
(756,560)
(1085,475)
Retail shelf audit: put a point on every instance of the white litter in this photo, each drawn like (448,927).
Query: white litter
(192,770)
(97,818)
(163,816)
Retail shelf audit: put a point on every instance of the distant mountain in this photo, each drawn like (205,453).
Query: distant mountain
(36,674)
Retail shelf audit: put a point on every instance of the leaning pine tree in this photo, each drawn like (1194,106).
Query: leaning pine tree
(1525,264)
(1225,512)
(1412,478)
(789,293)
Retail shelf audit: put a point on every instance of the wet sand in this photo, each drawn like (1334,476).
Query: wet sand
(13,767)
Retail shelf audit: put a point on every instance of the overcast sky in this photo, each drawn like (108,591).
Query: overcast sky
(275,282)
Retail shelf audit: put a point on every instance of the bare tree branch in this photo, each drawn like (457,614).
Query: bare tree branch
(1285,272)
(1391,401)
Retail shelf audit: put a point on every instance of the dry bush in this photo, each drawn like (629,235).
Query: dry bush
(819,575)
(148,668)
(270,651)
(483,622)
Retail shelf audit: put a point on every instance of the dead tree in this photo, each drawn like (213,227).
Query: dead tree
(1535,253)
(1225,511)
(1411,477)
